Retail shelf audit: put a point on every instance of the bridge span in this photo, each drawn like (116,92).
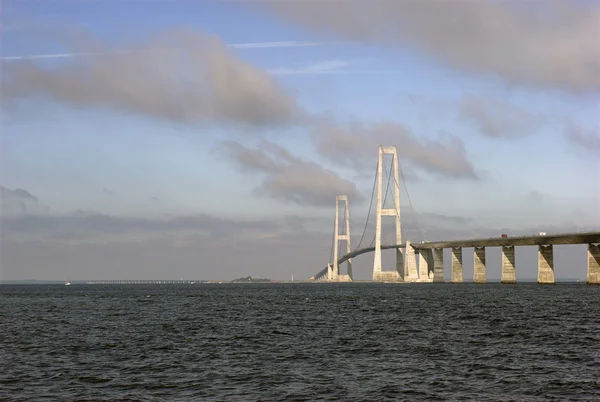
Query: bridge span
(507,244)
(424,261)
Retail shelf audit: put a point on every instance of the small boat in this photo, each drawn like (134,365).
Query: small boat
(67,283)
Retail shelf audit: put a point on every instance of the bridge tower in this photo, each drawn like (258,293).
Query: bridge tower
(378,273)
(335,274)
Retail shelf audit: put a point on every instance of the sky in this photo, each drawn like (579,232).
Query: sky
(155,139)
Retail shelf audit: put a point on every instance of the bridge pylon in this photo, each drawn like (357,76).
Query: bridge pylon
(400,274)
(333,273)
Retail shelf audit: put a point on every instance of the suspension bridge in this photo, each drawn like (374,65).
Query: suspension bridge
(423,261)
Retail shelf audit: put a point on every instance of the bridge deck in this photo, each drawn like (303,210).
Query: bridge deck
(564,238)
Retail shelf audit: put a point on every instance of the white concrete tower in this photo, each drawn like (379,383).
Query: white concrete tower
(337,276)
(378,273)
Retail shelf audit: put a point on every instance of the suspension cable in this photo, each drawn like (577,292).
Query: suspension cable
(409,200)
(370,205)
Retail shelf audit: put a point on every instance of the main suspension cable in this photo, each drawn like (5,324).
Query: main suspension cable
(370,205)
(409,200)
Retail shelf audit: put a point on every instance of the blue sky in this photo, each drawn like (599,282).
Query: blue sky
(496,124)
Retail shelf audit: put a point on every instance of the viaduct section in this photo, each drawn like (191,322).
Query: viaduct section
(424,261)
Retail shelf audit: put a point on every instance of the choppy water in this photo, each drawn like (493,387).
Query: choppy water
(300,342)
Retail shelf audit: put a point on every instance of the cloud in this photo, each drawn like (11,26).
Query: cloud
(494,118)
(289,178)
(296,223)
(586,139)
(275,257)
(17,193)
(497,119)
(93,227)
(536,196)
(354,147)
(17,201)
(552,44)
(93,246)
(441,218)
(187,77)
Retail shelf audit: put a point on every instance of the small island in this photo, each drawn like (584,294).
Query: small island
(250,279)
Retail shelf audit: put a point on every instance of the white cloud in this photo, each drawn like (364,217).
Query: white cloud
(498,119)
(289,178)
(353,146)
(551,44)
(202,81)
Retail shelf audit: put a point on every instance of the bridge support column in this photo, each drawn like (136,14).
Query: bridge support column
(509,274)
(410,263)
(425,265)
(336,275)
(545,264)
(430,264)
(378,274)
(400,265)
(479,269)
(438,265)
(331,273)
(593,270)
(457,266)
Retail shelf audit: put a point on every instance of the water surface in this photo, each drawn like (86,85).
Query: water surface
(251,342)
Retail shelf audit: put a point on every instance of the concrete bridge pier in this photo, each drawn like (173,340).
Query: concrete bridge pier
(425,265)
(400,266)
(593,269)
(410,264)
(509,273)
(545,264)
(430,264)
(457,266)
(438,265)
(479,269)
(331,273)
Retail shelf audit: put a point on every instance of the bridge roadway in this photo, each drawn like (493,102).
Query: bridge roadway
(563,238)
